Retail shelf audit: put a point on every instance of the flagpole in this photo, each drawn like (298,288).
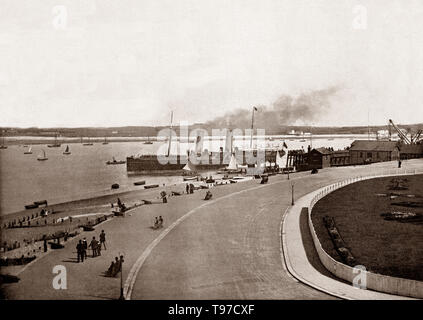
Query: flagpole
(252,129)
(170,133)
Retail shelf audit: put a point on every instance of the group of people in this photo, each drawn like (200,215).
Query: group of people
(82,247)
(189,188)
(115,267)
(120,204)
(158,222)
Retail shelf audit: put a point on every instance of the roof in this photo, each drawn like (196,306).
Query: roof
(411,148)
(340,153)
(322,150)
(374,145)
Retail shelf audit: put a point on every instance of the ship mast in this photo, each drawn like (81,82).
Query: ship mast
(170,133)
(252,128)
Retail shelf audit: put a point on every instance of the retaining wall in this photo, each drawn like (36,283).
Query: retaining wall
(378,282)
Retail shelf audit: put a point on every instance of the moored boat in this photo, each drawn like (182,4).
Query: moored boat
(148,141)
(190,178)
(139,183)
(67,150)
(114,161)
(151,186)
(56,144)
(31,206)
(89,143)
(42,157)
(29,151)
(2,145)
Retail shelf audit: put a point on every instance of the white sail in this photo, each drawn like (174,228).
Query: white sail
(233,165)
(42,156)
(188,167)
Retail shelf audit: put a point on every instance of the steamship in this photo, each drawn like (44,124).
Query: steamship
(198,160)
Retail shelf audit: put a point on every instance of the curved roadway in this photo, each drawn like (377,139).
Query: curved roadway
(231,249)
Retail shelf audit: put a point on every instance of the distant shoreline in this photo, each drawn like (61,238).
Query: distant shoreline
(37,140)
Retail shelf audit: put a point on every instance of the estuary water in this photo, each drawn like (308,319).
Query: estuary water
(84,173)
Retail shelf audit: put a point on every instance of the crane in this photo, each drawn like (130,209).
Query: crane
(415,138)
(401,134)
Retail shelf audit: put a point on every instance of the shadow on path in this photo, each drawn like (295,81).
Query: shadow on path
(310,250)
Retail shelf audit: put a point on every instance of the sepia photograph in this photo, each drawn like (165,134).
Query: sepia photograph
(211,154)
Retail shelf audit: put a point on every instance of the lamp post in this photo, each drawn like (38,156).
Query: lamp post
(292,194)
(121,278)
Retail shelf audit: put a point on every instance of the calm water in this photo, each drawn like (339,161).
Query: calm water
(84,173)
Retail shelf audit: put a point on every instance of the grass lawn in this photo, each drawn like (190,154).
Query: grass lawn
(388,247)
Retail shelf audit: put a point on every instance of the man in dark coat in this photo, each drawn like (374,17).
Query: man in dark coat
(80,251)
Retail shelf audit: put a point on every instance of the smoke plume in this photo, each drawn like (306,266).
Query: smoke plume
(286,110)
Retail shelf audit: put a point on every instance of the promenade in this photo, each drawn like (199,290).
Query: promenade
(226,248)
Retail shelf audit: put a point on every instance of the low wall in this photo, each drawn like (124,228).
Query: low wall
(377,282)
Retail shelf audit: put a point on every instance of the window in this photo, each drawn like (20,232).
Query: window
(369,154)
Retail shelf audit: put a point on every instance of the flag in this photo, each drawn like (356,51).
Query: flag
(284,145)
(255,109)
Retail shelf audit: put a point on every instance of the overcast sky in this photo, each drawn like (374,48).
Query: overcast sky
(115,63)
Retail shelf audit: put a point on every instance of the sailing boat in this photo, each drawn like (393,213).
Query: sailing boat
(42,157)
(105,140)
(29,151)
(87,143)
(148,141)
(3,146)
(67,150)
(56,144)
(233,165)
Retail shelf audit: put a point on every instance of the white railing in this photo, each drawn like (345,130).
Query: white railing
(378,282)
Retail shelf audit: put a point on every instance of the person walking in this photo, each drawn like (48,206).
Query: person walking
(85,246)
(103,239)
(187,188)
(93,245)
(160,221)
(45,243)
(80,251)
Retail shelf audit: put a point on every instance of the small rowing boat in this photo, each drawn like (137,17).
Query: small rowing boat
(190,178)
(114,161)
(151,186)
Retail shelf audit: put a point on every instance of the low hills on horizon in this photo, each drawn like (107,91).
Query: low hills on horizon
(145,131)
